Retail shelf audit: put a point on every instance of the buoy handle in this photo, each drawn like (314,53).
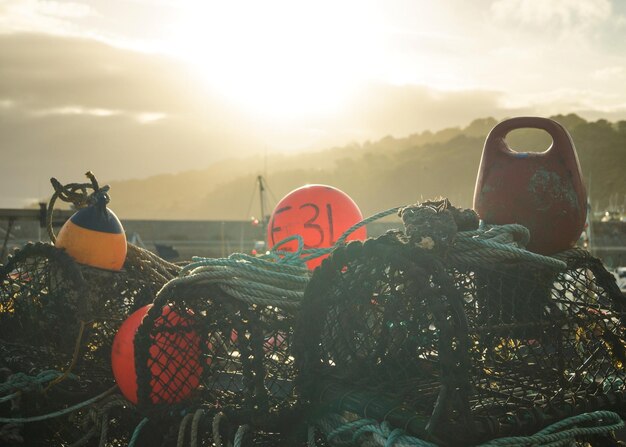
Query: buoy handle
(561,140)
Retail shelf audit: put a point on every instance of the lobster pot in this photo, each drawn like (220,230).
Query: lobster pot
(41,291)
(58,315)
(224,355)
(459,353)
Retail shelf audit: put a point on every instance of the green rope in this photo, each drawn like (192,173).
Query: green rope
(239,435)
(135,436)
(497,243)
(277,278)
(23,382)
(268,279)
(562,433)
(56,413)
(312,253)
(340,432)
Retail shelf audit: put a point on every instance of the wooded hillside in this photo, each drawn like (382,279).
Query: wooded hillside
(377,175)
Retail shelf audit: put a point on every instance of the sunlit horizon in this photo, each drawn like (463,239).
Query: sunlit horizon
(207,80)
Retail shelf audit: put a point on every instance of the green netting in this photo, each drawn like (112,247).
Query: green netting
(446,332)
(455,349)
(57,316)
(233,357)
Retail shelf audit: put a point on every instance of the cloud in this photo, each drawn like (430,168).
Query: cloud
(71,10)
(609,73)
(553,14)
(42,16)
(75,111)
(68,105)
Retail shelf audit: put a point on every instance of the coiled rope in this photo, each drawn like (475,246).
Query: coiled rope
(279,277)
(498,243)
(340,432)
(564,432)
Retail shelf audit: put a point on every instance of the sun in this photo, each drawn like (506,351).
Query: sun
(278,59)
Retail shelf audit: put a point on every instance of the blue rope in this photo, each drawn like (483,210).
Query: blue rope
(56,413)
(488,242)
(558,434)
(135,436)
(312,253)
(23,382)
(277,278)
(279,260)
(350,433)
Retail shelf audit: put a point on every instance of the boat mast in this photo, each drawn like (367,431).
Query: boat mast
(262,197)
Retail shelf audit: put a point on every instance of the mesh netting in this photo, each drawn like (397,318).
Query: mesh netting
(459,352)
(228,356)
(416,331)
(59,316)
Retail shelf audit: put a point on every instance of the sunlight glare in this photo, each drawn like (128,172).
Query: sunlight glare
(281,59)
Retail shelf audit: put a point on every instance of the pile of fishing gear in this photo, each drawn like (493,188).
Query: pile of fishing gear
(461,337)
(448,333)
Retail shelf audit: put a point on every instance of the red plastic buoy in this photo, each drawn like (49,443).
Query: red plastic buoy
(542,191)
(94,236)
(318,213)
(176,359)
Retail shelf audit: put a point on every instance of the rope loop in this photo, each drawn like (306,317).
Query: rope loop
(77,194)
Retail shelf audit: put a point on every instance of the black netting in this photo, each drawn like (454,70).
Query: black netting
(224,354)
(459,352)
(58,316)
(448,344)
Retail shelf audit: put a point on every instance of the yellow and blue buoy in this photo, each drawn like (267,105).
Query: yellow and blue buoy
(94,235)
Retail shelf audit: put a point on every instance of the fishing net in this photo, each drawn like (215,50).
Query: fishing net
(460,337)
(220,335)
(56,315)
(446,332)
(58,319)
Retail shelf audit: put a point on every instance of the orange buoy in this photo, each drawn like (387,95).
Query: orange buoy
(542,191)
(320,214)
(94,235)
(176,367)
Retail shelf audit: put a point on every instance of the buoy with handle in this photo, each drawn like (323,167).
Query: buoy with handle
(94,235)
(542,191)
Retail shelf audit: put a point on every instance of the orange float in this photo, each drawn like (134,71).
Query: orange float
(94,236)
(175,356)
(320,214)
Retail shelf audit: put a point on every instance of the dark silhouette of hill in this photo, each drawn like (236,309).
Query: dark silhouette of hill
(377,175)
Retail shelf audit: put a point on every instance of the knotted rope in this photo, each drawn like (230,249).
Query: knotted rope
(77,195)
(255,280)
(20,382)
(279,277)
(341,432)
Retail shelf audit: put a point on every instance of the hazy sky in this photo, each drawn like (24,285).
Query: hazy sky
(165,85)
